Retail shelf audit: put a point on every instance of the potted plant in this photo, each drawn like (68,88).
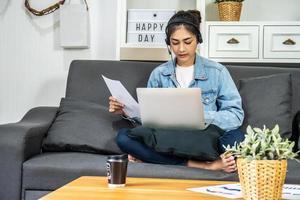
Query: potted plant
(262,163)
(229,10)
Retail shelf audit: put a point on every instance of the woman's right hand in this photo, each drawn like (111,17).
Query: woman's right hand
(115,106)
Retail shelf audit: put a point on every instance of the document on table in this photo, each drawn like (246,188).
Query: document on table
(118,91)
(233,191)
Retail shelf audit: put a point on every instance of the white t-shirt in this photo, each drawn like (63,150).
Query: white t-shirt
(184,75)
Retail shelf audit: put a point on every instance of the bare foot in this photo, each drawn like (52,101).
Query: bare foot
(229,163)
(226,163)
(133,159)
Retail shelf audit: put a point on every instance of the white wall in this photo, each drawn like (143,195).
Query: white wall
(33,67)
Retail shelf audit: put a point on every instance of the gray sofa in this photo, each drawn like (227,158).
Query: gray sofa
(27,172)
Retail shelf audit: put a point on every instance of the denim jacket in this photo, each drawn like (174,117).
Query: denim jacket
(220,97)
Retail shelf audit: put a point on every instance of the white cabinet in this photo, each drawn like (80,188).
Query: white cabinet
(277,42)
(258,37)
(233,41)
(268,31)
(281,42)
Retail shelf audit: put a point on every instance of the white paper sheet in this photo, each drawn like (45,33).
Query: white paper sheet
(118,91)
(233,191)
(291,192)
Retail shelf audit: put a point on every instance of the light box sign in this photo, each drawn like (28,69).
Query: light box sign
(147,26)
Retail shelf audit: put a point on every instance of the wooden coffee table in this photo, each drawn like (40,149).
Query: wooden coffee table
(95,188)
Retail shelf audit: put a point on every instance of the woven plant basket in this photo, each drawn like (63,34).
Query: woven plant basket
(230,10)
(262,179)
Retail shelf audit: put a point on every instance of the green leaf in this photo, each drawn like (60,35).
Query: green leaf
(257,130)
(275,130)
(249,130)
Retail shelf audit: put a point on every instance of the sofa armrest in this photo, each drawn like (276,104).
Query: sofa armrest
(18,142)
(296,131)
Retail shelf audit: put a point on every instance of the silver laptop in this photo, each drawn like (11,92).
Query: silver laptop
(179,108)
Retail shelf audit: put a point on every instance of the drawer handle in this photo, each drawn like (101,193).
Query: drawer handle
(289,42)
(233,41)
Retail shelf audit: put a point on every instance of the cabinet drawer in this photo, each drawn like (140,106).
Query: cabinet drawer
(282,41)
(150,14)
(233,41)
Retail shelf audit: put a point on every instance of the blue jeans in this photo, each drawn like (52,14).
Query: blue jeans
(146,154)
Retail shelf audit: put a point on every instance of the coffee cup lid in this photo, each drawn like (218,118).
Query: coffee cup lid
(122,157)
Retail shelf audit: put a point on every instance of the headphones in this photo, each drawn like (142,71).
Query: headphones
(181,21)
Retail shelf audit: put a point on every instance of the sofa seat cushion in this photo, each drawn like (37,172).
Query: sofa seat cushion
(84,127)
(267,101)
(48,171)
(35,194)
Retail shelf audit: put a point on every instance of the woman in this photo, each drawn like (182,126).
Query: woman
(221,100)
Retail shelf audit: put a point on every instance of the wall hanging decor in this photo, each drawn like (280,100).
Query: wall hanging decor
(74,25)
(45,11)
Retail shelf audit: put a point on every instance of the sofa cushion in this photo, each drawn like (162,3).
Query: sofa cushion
(51,170)
(267,101)
(35,194)
(84,127)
